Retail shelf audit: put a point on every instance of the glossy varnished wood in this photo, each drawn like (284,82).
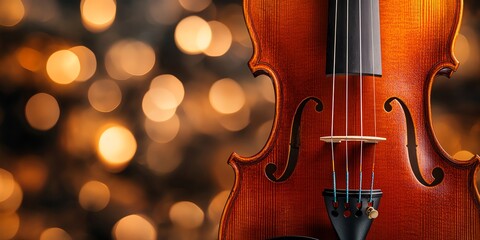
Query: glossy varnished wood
(289,39)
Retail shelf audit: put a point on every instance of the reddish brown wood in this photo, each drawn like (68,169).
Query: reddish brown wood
(289,39)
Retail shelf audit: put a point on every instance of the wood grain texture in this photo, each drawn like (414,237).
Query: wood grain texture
(289,39)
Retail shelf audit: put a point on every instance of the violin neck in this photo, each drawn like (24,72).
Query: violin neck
(353,45)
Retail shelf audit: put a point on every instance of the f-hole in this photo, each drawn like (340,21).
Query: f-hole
(294,148)
(437,172)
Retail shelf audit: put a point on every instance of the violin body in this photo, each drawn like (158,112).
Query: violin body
(426,193)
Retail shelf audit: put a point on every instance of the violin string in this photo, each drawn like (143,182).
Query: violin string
(346,109)
(333,104)
(374,103)
(361,99)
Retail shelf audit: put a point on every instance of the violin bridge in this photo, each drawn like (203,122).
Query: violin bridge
(365,139)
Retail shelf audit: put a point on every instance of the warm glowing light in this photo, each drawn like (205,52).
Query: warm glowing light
(11,12)
(463,155)
(195,5)
(79,127)
(462,48)
(9,224)
(157,110)
(216,206)
(236,23)
(171,84)
(55,234)
(138,58)
(227,96)
(266,88)
(63,67)
(236,121)
(29,58)
(162,132)
(88,62)
(116,147)
(94,196)
(129,58)
(113,64)
(104,95)
(165,12)
(446,130)
(162,159)
(262,134)
(13,201)
(134,227)
(186,215)
(7,184)
(221,39)
(98,15)
(193,35)
(42,111)
(31,173)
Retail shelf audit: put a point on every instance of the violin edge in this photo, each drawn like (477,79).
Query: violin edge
(448,68)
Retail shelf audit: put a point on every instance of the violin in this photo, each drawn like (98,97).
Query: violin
(352,153)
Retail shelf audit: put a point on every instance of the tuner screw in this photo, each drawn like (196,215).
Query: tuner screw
(371,212)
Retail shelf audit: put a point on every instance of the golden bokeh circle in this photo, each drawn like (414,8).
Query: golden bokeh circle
(42,111)
(116,147)
(134,227)
(94,196)
(63,67)
(98,15)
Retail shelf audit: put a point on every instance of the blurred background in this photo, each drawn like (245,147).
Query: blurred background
(117,118)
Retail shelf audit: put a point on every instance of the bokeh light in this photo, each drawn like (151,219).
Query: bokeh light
(155,108)
(446,130)
(227,96)
(165,12)
(193,35)
(138,58)
(63,67)
(45,11)
(221,39)
(462,48)
(94,196)
(104,95)
(195,5)
(463,155)
(9,225)
(42,111)
(172,84)
(186,215)
(11,12)
(162,132)
(7,184)
(215,209)
(13,201)
(134,227)
(55,234)
(31,173)
(128,58)
(236,121)
(116,147)
(266,87)
(88,62)
(163,159)
(232,16)
(29,58)
(98,15)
